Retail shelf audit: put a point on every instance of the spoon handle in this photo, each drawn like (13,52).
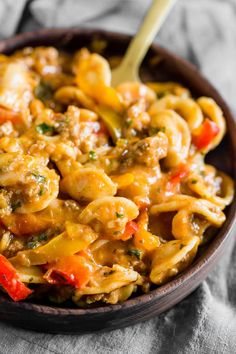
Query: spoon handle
(138,47)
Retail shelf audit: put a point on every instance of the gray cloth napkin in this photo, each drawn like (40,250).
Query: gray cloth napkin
(203,31)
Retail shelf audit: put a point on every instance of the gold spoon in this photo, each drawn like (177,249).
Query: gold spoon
(128,70)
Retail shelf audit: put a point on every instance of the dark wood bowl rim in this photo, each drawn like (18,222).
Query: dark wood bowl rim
(224,232)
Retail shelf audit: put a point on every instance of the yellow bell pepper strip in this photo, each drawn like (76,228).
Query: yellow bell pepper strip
(108,96)
(123,181)
(76,238)
(72,270)
(112,120)
(10,281)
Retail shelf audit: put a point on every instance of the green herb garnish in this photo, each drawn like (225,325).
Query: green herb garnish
(162,129)
(43,91)
(194,181)
(119,215)
(35,240)
(44,128)
(162,94)
(39,178)
(92,155)
(32,244)
(108,273)
(16,204)
(153,130)
(134,252)
(116,233)
(42,237)
(41,191)
(128,122)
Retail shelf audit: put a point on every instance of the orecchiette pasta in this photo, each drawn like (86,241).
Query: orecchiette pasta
(178,134)
(87,184)
(186,107)
(103,190)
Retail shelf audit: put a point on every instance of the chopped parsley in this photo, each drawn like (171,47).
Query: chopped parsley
(162,129)
(116,233)
(128,122)
(42,237)
(32,244)
(142,146)
(153,130)
(44,128)
(39,178)
(119,215)
(43,91)
(134,252)
(109,272)
(92,155)
(41,191)
(67,119)
(162,94)
(194,181)
(35,240)
(16,204)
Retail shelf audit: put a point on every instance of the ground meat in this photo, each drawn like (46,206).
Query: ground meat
(146,152)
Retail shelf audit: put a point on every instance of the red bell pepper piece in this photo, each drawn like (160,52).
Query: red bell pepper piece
(72,270)
(10,281)
(6,115)
(130,229)
(177,176)
(208,131)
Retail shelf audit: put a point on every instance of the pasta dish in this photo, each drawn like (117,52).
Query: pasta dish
(104,192)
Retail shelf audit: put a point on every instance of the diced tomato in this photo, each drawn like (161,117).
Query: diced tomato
(10,281)
(208,131)
(73,270)
(6,115)
(57,276)
(177,176)
(142,204)
(130,229)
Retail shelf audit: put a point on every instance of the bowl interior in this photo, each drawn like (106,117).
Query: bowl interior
(168,68)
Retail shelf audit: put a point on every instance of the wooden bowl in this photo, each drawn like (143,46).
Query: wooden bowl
(49,318)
